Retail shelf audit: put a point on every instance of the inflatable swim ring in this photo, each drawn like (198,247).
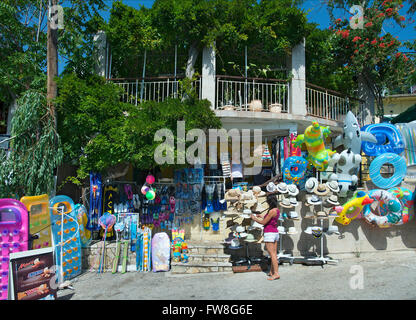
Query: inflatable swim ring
(294,169)
(353,208)
(394,214)
(389,140)
(405,196)
(399,165)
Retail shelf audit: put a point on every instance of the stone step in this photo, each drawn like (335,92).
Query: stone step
(209,258)
(205,248)
(200,267)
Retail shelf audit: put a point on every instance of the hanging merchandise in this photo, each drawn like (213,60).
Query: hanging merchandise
(294,151)
(14,232)
(352,136)
(389,140)
(408,132)
(294,170)
(313,138)
(347,163)
(66,236)
(215,224)
(144,250)
(95,202)
(206,224)
(396,161)
(39,220)
(266,153)
(110,195)
(406,198)
(82,219)
(392,207)
(106,222)
(118,228)
(352,208)
(160,252)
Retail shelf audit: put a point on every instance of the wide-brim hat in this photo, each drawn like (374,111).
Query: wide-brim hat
(271,187)
(260,194)
(230,237)
(292,190)
(311,184)
(294,215)
(332,230)
(250,238)
(333,200)
(240,229)
(256,225)
(333,186)
(250,203)
(321,190)
(293,201)
(243,234)
(256,189)
(245,216)
(314,200)
(285,203)
(292,230)
(235,243)
(258,207)
(309,215)
(322,215)
(281,230)
(282,187)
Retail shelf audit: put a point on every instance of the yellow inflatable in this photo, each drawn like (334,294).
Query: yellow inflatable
(353,208)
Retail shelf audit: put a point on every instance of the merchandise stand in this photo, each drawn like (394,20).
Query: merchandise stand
(282,256)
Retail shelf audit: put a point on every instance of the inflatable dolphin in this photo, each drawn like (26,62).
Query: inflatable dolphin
(352,136)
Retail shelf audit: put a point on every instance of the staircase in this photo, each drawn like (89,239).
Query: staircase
(204,257)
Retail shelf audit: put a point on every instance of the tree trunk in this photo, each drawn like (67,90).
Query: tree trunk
(52,64)
(366,93)
(192,56)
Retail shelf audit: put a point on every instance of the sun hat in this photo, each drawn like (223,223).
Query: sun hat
(240,229)
(321,215)
(243,234)
(311,184)
(282,187)
(271,187)
(285,203)
(230,237)
(292,190)
(235,243)
(332,230)
(293,215)
(293,201)
(333,199)
(314,200)
(309,215)
(258,207)
(333,186)
(321,190)
(281,229)
(256,225)
(292,230)
(317,232)
(250,238)
(308,230)
(256,189)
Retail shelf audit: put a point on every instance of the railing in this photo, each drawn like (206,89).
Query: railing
(251,94)
(152,89)
(332,105)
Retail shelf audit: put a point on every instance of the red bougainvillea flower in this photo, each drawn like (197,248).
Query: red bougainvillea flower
(338,21)
(380,15)
(361,45)
(401,18)
(345,34)
(374,41)
(405,58)
(355,51)
(398,54)
(382,45)
(368,24)
(356,39)
(389,11)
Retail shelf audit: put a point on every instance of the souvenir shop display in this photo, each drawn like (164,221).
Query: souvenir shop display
(406,198)
(82,218)
(161,252)
(95,202)
(352,136)
(14,232)
(389,140)
(144,250)
(313,138)
(294,170)
(118,228)
(66,237)
(352,208)
(106,222)
(39,220)
(396,161)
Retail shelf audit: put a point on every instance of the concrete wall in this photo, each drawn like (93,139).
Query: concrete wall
(396,105)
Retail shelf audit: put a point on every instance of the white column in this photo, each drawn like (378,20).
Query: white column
(100,40)
(208,75)
(297,93)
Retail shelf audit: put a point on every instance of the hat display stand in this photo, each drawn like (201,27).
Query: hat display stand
(284,257)
(322,258)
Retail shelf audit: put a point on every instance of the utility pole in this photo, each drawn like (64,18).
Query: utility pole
(52,59)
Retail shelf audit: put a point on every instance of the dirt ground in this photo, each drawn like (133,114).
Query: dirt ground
(376,276)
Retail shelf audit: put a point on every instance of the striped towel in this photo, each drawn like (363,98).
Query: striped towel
(225,164)
(266,156)
(408,131)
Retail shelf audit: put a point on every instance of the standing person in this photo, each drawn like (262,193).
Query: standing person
(271,234)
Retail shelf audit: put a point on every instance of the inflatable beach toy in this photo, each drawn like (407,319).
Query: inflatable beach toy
(352,209)
(406,198)
(391,203)
(82,219)
(396,161)
(294,169)
(313,138)
(389,140)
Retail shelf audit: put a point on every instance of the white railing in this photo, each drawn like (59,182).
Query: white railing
(328,104)
(152,89)
(251,94)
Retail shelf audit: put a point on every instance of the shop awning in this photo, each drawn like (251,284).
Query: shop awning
(406,116)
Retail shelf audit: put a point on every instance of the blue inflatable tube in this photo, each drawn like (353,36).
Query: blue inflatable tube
(396,161)
(389,140)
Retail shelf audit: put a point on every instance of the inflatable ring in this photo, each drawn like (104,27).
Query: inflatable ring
(399,165)
(394,214)
(294,169)
(405,196)
(389,140)
(353,208)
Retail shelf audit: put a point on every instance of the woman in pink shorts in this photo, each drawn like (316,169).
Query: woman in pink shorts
(271,234)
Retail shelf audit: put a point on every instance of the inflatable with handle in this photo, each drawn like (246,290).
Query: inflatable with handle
(352,209)
(313,138)
(396,161)
(406,198)
(389,140)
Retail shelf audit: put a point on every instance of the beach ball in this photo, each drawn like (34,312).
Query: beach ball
(145,189)
(150,195)
(150,179)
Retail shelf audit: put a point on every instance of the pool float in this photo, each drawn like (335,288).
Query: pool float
(82,219)
(393,205)
(405,196)
(396,161)
(39,220)
(352,208)
(294,151)
(294,169)
(389,140)
(313,138)
(347,164)
(353,136)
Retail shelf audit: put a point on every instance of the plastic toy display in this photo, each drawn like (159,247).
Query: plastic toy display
(14,232)
(160,252)
(406,198)
(294,169)
(396,161)
(389,140)
(67,244)
(352,136)
(82,219)
(392,205)
(347,163)
(313,138)
(40,220)
(352,208)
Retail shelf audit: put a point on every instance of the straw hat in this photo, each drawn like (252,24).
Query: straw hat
(321,190)
(309,215)
(311,184)
(333,186)
(332,230)
(271,187)
(240,229)
(333,200)
(292,230)
(235,243)
(314,200)
(321,215)
(256,225)
(285,203)
(292,190)
(293,215)
(282,187)
(281,229)
(256,189)
(250,238)
(293,201)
